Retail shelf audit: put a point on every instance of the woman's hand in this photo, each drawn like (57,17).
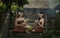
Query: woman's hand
(36,21)
(27,19)
(41,26)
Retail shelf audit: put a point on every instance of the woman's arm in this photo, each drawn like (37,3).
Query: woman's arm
(15,22)
(42,23)
(25,22)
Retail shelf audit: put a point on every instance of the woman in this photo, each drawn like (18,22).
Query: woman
(39,24)
(20,23)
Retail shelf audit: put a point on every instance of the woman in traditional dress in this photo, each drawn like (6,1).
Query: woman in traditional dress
(39,24)
(20,23)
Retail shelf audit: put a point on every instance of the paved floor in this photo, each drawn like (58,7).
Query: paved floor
(24,35)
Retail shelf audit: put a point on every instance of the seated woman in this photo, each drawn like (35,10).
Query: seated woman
(39,24)
(20,23)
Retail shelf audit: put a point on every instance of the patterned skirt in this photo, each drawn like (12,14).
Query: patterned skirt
(37,28)
(19,29)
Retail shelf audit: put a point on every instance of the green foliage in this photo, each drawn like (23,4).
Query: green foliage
(20,2)
(1,3)
(14,7)
(2,7)
(59,1)
(55,36)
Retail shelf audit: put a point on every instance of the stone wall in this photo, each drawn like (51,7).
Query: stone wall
(42,4)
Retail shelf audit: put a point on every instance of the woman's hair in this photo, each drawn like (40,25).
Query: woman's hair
(19,14)
(42,16)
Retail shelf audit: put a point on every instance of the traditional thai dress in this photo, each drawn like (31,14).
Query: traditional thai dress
(19,28)
(37,28)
